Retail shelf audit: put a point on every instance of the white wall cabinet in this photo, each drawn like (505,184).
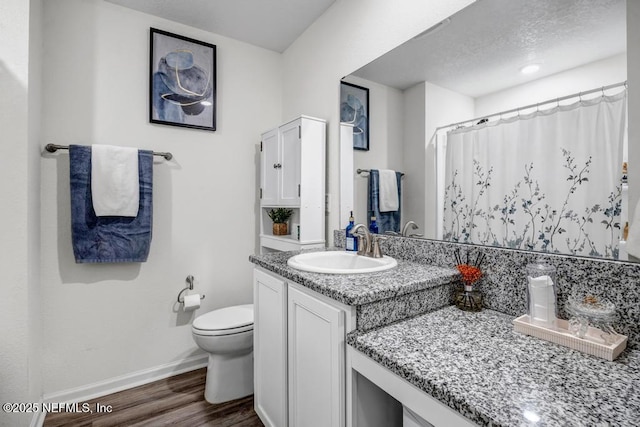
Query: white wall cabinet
(280,163)
(270,168)
(299,354)
(292,175)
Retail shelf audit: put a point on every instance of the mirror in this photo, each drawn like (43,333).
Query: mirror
(468,67)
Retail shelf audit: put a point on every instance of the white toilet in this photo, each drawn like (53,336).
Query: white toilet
(227,335)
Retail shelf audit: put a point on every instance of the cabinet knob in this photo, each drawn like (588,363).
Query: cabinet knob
(277,165)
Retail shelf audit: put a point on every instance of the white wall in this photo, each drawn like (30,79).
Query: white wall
(385,140)
(103,321)
(20,332)
(349,35)
(414,118)
(36,332)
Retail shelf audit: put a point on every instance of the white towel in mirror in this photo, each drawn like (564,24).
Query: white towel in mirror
(388,191)
(115,185)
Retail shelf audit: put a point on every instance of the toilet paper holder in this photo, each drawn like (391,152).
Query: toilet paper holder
(189,281)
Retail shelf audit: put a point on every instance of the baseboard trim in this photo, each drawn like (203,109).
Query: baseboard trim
(37,420)
(123,382)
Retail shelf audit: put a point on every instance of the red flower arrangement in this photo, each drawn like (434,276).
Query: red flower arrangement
(470,273)
(466,298)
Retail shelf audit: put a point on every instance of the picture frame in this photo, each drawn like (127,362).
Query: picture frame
(354,109)
(182,81)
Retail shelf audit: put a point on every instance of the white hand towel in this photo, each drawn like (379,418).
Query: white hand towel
(115,186)
(633,239)
(388,191)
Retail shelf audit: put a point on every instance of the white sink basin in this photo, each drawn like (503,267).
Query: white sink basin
(336,262)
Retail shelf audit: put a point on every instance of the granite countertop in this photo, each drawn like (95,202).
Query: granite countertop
(478,365)
(358,289)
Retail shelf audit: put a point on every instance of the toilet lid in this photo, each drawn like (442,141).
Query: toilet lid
(228,318)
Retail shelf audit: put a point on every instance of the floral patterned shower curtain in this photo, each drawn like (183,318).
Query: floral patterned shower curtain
(548,181)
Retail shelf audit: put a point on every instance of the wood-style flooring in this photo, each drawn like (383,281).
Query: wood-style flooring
(177,401)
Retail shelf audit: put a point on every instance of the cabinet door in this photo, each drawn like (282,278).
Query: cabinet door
(290,160)
(270,349)
(270,168)
(316,361)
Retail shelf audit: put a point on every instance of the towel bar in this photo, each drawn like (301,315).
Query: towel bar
(52,148)
(361,171)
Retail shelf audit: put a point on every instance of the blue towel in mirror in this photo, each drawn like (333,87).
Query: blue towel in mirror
(110,238)
(387,221)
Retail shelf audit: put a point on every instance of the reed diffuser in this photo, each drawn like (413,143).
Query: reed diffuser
(468,298)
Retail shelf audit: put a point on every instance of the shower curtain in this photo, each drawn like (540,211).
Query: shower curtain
(548,181)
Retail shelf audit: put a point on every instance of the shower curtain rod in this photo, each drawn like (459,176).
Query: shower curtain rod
(52,148)
(557,100)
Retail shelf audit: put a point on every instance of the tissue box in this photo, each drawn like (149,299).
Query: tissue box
(591,344)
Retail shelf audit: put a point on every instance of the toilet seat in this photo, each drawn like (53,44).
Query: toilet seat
(225,321)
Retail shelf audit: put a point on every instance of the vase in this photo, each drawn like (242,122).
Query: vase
(468,299)
(280,229)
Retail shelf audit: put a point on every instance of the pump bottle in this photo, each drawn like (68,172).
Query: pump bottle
(373,225)
(351,242)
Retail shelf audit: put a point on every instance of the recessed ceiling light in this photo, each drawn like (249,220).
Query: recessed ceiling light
(530,69)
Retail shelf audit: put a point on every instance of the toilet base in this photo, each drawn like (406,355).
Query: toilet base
(229,378)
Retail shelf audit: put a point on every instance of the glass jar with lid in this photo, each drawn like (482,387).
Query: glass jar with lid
(542,294)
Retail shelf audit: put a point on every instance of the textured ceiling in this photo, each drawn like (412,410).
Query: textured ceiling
(272,24)
(482,48)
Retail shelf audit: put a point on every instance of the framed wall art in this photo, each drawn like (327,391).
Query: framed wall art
(354,109)
(182,83)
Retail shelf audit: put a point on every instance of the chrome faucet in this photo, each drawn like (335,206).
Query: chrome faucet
(371,246)
(366,248)
(413,226)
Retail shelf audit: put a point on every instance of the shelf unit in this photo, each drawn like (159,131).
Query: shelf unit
(293,176)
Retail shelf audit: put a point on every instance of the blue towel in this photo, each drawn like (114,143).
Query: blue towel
(110,238)
(387,221)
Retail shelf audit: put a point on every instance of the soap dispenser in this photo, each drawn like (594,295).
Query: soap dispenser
(351,241)
(373,226)
(542,294)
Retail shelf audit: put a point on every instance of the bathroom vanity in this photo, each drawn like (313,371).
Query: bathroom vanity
(302,369)
(354,349)
(298,353)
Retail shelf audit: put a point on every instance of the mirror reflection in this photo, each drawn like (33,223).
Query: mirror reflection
(508,121)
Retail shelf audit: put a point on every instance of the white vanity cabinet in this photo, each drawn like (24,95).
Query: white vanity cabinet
(299,354)
(270,348)
(316,360)
(292,175)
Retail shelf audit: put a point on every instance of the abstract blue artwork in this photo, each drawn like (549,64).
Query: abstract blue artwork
(354,109)
(182,85)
